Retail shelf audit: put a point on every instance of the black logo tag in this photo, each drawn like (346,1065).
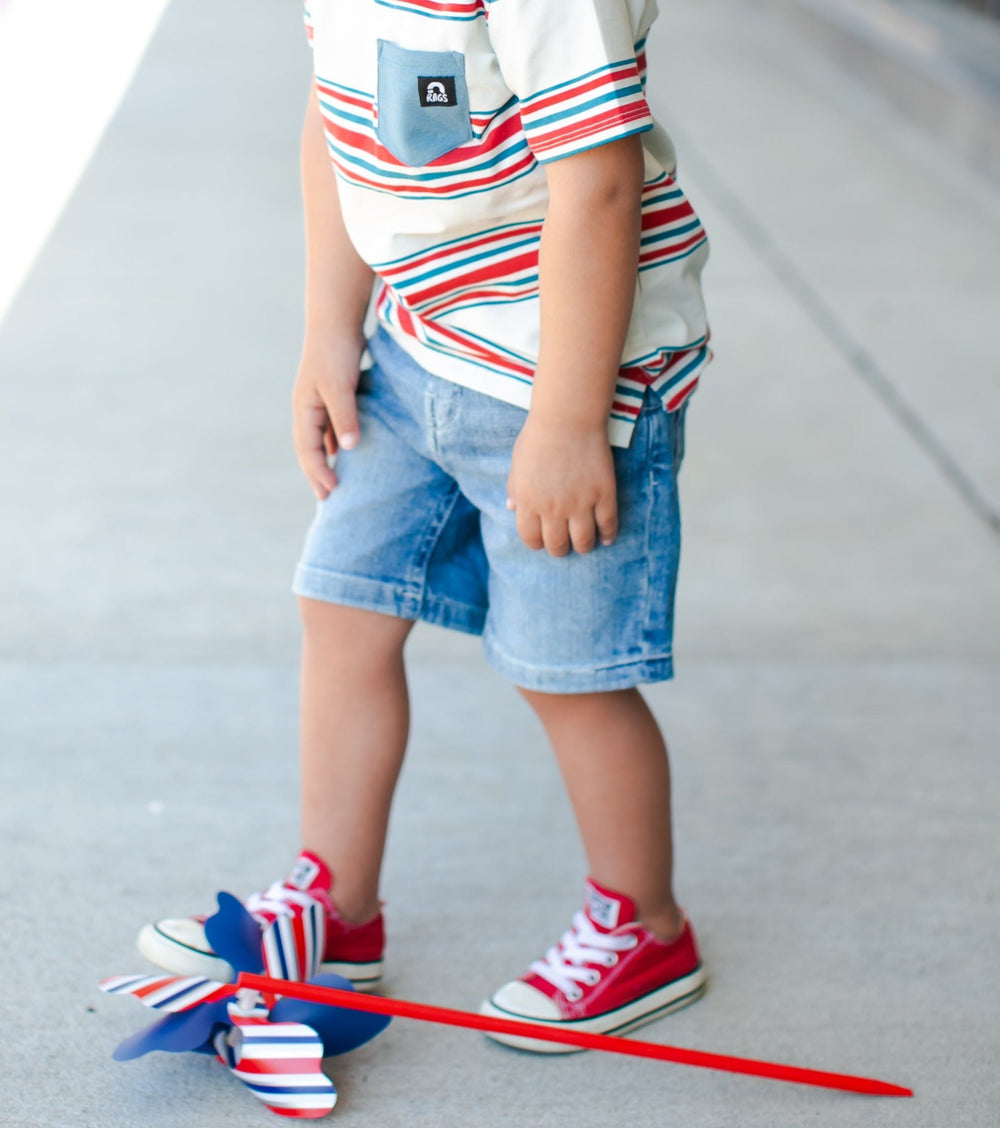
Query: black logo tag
(437,91)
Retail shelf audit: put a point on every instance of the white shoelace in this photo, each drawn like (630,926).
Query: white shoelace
(564,966)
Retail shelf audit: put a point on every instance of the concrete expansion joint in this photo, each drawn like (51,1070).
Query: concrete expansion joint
(827,320)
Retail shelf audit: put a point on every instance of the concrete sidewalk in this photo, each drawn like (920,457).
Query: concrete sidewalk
(937,62)
(834,724)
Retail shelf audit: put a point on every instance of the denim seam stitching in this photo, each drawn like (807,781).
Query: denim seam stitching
(489,641)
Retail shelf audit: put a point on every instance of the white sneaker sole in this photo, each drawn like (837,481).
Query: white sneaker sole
(649,1008)
(178,958)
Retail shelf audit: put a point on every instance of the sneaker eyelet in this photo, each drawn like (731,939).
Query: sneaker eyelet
(634,942)
(594,978)
(611,960)
(576,996)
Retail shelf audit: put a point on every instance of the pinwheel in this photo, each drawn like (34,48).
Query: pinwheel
(273,1044)
(273,1030)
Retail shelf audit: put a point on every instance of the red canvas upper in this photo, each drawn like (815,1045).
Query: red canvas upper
(645,967)
(301,927)
(345,942)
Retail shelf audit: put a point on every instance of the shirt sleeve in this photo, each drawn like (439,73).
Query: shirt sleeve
(308,20)
(573,67)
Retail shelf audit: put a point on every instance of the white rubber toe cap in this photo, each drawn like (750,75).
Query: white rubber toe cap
(180,947)
(520,1000)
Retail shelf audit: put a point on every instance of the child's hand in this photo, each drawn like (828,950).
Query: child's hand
(324,410)
(562,485)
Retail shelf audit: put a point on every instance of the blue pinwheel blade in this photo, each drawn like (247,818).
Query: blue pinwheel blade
(235,935)
(340,1029)
(176,1033)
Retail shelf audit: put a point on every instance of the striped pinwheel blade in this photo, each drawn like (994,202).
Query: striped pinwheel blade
(279,1062)
(168,993)
(293,943)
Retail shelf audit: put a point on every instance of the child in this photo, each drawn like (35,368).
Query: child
(499,181)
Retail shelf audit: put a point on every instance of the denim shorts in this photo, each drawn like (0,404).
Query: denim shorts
(418,527)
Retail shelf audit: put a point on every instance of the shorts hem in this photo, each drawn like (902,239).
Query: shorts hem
(387,598)
(598,679)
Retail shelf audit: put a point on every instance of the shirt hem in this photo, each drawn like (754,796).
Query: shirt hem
(504,388)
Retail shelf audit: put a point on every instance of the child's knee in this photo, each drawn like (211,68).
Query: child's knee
(335,627)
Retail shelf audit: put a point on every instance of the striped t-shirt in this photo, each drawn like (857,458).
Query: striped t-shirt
(439,115)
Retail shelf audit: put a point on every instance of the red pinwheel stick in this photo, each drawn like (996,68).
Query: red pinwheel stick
(424,1012)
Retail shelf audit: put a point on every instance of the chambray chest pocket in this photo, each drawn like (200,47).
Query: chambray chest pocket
(423,103)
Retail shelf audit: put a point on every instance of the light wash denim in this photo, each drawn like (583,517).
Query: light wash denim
(414,132)
(418,528)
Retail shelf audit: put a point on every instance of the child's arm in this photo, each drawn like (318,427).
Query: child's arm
(338,288)
(562,480)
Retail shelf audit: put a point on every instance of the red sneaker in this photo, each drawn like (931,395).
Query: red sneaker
(607,975)
(297,917)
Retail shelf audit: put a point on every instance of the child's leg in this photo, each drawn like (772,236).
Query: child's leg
(355,721)
(630,957)
(614,763)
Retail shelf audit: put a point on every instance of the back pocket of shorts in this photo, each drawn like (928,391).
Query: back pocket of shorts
(423,103)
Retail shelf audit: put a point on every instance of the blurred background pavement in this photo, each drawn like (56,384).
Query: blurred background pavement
(835,720)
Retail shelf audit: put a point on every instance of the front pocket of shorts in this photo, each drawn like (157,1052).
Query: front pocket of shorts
(423,103)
